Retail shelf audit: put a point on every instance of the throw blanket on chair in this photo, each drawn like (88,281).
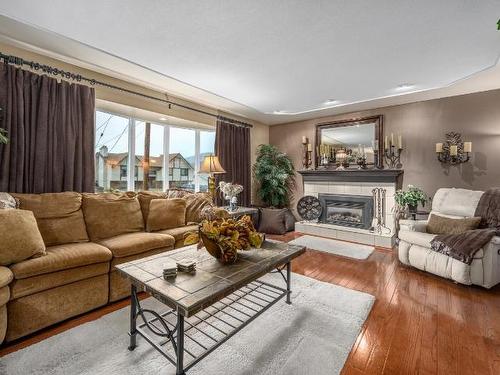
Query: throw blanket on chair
(465,245)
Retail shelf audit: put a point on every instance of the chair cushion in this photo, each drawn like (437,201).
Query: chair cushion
(273,221)
(136,243)
(195,203)
(178,233)
(166,214)
(444,225)
(62,257)
(20,237)
(59,216)
(109,215)
(6,276)
(416,238)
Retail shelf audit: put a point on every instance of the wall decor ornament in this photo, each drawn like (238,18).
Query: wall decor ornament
(454,150)
(309,208)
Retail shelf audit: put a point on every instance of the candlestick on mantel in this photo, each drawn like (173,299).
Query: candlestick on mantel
(467,146)
(392,139)
(309,147)
(439,147)
(400,142)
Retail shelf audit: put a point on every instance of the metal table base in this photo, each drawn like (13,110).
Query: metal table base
(193,338)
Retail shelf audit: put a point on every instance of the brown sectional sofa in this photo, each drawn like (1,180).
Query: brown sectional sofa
(85,235)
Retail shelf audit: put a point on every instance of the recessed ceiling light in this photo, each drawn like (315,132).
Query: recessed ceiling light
(163,119)
(405,86)
(331,102)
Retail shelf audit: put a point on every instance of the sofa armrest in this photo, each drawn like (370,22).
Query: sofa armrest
(413,225)
(6,276)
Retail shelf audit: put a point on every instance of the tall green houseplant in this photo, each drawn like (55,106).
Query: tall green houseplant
(275,175)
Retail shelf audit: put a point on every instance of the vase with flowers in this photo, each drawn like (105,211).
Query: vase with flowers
(230,193)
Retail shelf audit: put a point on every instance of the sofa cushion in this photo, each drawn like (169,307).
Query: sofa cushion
(166,214)
(109,215)
(178,193)
(59,216)
(20,237)
(62,257)
(136,243)
(39,283)
(417,238)
(456,202)
(145,198)
(195,203)
(272,220)
(4,295)
(6,276)
(444,225)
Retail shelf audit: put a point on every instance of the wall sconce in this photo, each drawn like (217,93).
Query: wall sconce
(453,150)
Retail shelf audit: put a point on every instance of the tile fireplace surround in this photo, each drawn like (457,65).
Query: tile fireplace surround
(349,184)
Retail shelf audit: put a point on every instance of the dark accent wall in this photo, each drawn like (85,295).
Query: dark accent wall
(423,124)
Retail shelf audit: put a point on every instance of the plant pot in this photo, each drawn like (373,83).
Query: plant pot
(412,209)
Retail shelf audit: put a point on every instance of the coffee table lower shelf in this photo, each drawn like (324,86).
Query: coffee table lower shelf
(186,341)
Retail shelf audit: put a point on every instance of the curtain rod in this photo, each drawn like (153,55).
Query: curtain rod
(19,61)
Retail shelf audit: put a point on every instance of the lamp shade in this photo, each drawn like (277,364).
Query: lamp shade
(211,164)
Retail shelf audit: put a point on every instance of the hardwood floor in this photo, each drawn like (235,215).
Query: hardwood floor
(419,324)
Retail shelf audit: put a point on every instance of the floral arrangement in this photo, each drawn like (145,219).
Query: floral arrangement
(411,197)
(230,190)
(223,237)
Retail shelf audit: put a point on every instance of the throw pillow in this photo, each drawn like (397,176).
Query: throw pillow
(272,220)
(444,225)
(145,198)
(289,221)
(20,237)
(166,214)
(7,201)
(195,203)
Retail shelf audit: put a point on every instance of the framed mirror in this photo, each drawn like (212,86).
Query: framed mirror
(350,144)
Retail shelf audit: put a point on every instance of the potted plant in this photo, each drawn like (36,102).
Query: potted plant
(411,198)
(275,176)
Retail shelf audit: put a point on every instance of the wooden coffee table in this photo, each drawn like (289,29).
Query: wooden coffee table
(212,304)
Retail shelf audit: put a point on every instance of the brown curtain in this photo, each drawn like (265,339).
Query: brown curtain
(232,146)
(50,126)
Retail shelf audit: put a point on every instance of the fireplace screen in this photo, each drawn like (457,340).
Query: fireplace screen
(347,210)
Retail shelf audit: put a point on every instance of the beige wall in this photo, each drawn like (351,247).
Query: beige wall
(259,133)
(422,124)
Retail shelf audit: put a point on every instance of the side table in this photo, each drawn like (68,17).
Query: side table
(240,211)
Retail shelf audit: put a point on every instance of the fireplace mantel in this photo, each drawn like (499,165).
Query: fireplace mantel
(354,175)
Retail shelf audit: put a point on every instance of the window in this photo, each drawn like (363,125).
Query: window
(116,135)
(182,158)
(207,144)
(111,152)
(153,178)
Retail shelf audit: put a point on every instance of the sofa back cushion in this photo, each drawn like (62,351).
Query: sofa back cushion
(444,225)
(108,215)
(456,202)
(20,237)
(195,203)
(59,216)
(166,214)
(145,198)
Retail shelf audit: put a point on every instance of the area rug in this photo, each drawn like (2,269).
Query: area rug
(314,335)
(346,249)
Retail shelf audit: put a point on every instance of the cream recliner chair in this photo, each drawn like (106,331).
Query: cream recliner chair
(415,242)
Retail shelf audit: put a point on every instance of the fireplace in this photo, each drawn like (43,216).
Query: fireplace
(347,210)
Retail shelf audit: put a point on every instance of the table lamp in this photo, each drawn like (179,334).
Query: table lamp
(211,165)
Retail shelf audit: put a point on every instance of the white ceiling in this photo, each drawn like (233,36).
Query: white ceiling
(256,57)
